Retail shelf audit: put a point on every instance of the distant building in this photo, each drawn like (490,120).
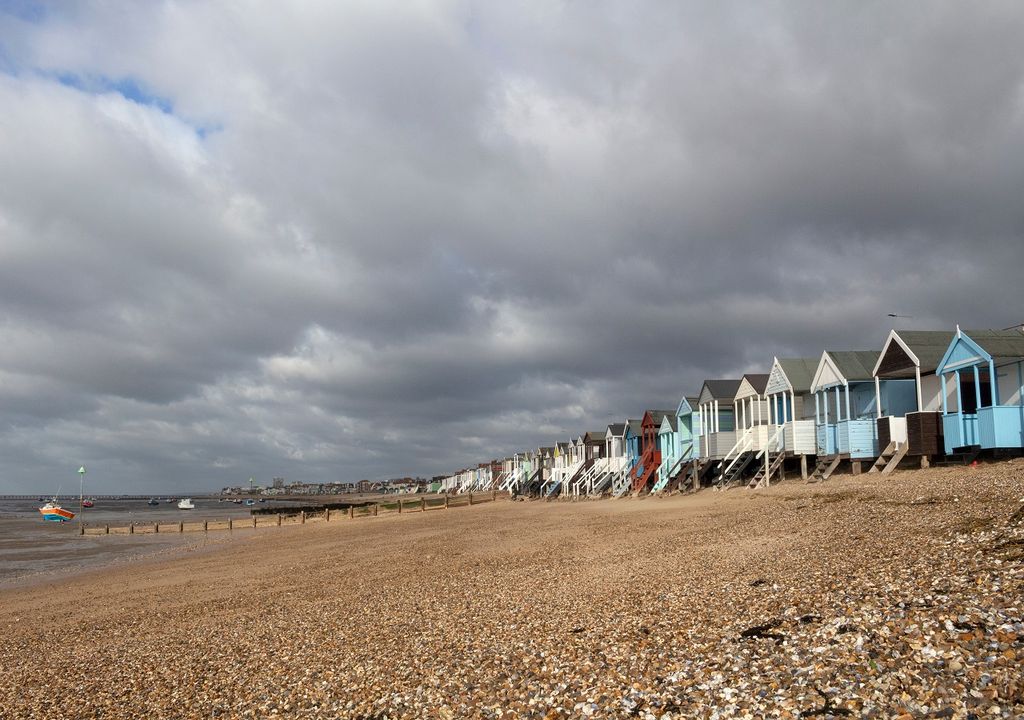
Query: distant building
(279,482)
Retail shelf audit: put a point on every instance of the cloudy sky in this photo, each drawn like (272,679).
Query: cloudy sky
(336,240)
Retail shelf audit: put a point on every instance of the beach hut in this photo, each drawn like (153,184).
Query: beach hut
(845,413)
(910,409)
(986,373)
(615,454)
(791,409)
(645,470)
(562,468)
(593,444)
(668,439)
(750,413)
(678,437)
(631,439)
(717,418)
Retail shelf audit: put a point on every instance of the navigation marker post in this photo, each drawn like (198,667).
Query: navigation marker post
(81,498)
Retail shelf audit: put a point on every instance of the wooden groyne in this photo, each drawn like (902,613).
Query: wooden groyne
(269,517)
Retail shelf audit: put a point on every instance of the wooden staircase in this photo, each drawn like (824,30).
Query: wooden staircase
(764,477)
(601,483)
(735,469)
(646,469)
(532,486)
(824,468)
(889,458)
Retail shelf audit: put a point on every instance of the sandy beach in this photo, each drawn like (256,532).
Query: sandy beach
(898,597)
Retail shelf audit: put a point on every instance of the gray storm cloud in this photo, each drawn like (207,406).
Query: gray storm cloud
(341,240)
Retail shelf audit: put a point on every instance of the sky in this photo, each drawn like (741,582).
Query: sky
(330,241)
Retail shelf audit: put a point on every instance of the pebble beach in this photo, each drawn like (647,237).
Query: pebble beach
(864,596)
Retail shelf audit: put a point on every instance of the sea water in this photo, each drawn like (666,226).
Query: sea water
(34,549)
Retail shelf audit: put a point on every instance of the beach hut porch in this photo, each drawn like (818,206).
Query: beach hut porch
(986,406)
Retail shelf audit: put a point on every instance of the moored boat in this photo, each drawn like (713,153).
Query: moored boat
(88,502)
(55,513)
(186,504)
(153,501)
(250,501)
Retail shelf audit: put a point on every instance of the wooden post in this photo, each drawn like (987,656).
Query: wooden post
(803,467)
(855,467)
(446,501)
(423,504)
(131,528)
(471,498)
(254,521)
(206,526)
(302,517)
(494,494)
(231,524)
(399,506)
(279,519)
(156,528)
(106,529)
(352,512)
(925,461)
(181,526)
(81,528)
(327,514)
(375,509)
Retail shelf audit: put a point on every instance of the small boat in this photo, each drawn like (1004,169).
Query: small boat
(168,500)
(186,504)
(153,501)
(263,499)
(88,502)
(42,499)
(55,513)
(250,501)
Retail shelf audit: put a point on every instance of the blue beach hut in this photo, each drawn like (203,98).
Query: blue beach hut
(844,405)
(678,437)
(987,370)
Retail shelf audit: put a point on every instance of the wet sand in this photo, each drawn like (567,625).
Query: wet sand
(860,597)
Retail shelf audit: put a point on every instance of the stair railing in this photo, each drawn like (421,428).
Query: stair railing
(773,444)
(741,446)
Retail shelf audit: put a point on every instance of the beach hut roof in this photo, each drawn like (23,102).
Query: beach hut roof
(855,364)
(751,385)
(838,367)
(905,350)
(657,415)
(719,390)
(979,346)
(617,429)
(669,422)
(794,374)
(999,343)
(594,436)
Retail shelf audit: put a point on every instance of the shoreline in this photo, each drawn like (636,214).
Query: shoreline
(789,600)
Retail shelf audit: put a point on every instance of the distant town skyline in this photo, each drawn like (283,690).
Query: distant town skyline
(338,241)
